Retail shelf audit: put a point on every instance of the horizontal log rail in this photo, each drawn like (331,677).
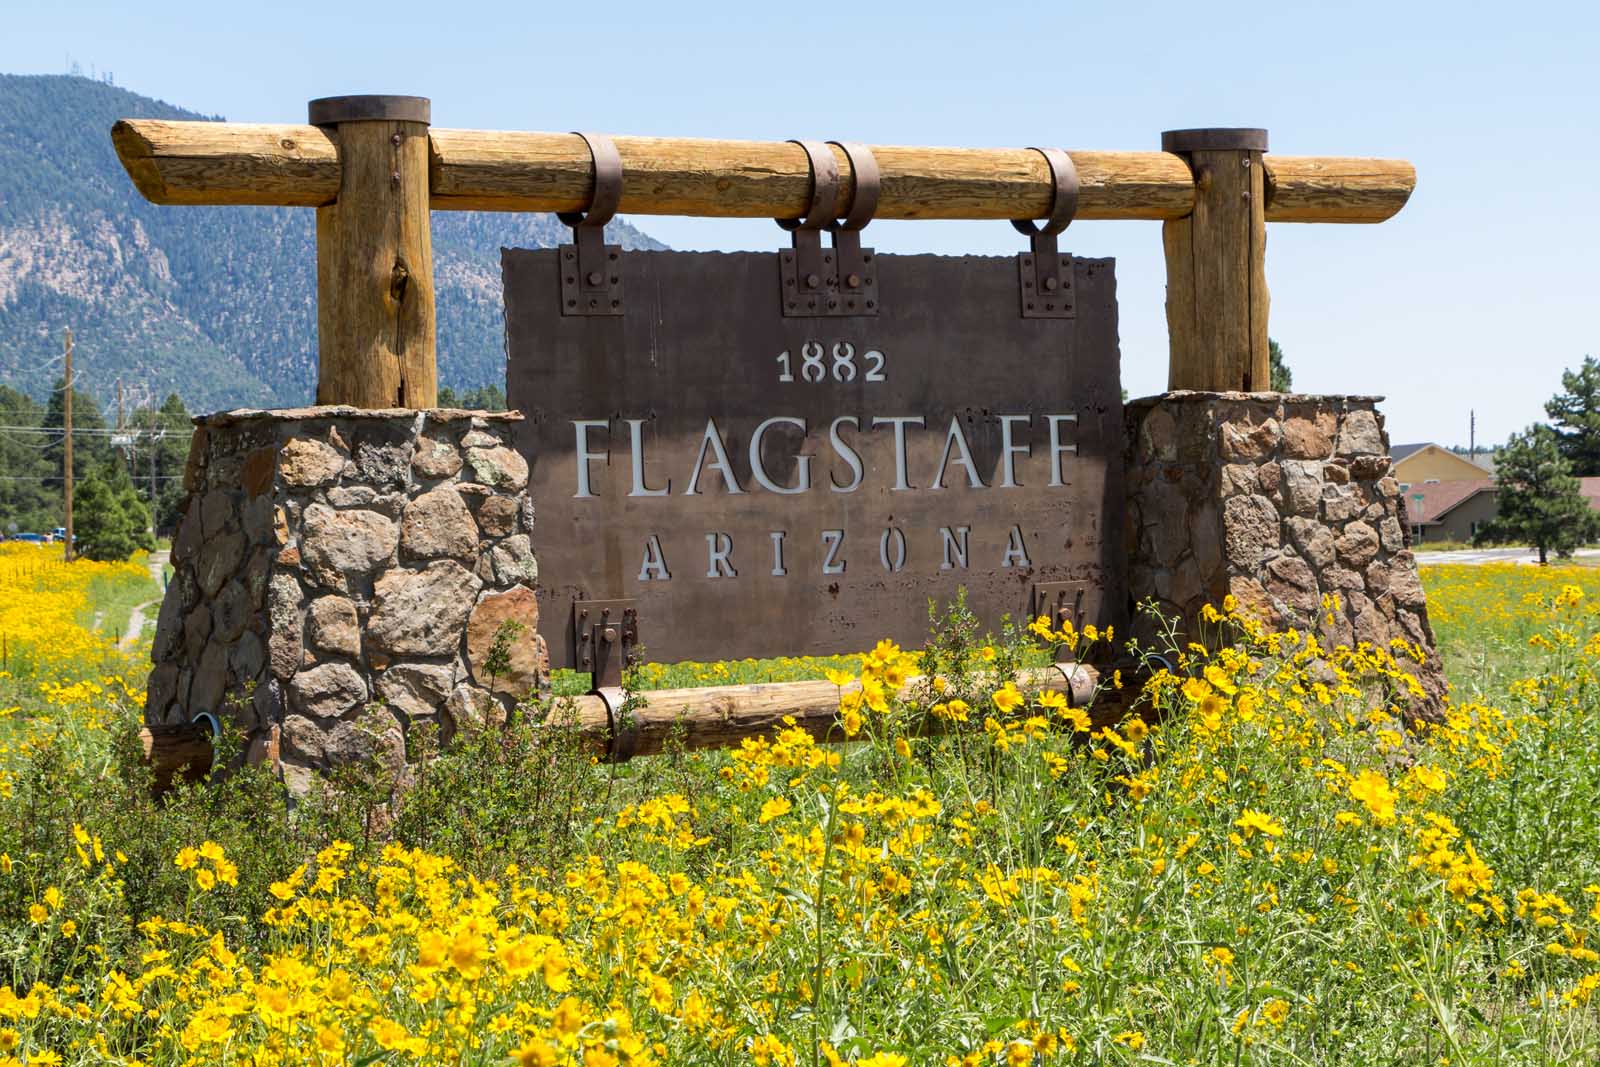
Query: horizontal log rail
(374,169)
(218,163)
(700,718)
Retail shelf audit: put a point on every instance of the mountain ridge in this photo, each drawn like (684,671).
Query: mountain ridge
(217,304)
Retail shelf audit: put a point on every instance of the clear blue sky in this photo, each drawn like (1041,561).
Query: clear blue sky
(1476,296)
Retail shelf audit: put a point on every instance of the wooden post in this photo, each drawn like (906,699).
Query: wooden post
(375,311)
(1216,264)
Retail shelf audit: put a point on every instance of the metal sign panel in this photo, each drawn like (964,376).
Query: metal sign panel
(758,485)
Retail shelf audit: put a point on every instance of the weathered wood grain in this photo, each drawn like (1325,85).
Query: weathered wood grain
(375,307)
(724,716)
(1336,189)
(1216,278)
(298,166)
(176,751)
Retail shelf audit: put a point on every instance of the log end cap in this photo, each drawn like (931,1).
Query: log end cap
(1215,138)
(332,110)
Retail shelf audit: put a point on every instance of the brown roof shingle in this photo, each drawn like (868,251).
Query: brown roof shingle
(1439,498)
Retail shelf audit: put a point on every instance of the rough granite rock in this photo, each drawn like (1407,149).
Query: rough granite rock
(304,462)
(284,602)
(422,613)
(231,611)
(1360,435)
(340,548)
(327,690)
(514,563)
(1251,525)
(220,556)
(1304,439)
(499,467)
(210,679)
(1359,545)
(1242,442)
(435,457)
(332,625)
(526,662)
(438,524)
(418,690)
(497,516)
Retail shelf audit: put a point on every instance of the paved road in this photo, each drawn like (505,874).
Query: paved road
(1497,555)
(136,618)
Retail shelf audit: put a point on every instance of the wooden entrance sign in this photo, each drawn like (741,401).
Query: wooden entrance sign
(374,193)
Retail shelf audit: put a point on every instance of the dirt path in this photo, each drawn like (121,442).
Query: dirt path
(136,617)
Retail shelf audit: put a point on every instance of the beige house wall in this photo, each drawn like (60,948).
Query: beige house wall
(1437,464)
(1461,521)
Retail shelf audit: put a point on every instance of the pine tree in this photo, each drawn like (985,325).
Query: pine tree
(88,449)
(110,521)
(25,503)
(100,525)
(1539,499)
(1282,376)
(1576,413)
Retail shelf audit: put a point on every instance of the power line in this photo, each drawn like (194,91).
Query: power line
(57,478)
(78,431)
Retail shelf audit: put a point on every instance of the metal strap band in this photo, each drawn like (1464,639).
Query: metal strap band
(1080,687)
(607,183)
(864,185)
(824,188)
(1063,204)
(624,737)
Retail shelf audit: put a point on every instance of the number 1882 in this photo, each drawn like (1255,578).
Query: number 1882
(815,366)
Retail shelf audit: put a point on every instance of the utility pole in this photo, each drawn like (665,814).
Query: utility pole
(1472,435)
(155,446)
(120,423)
(66,465)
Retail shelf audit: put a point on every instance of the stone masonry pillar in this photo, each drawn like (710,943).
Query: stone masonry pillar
(340,576)
(1278,500)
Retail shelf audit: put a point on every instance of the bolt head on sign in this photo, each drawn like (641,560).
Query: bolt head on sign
(760,484)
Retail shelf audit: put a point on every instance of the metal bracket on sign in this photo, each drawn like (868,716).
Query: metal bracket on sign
(807,277)
(858,273)
(606,632)
(1060,602)
(1046,280)
(814,281)
(1044,275)
(591,276)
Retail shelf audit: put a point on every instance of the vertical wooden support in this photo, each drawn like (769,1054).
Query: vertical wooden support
(1216,264)
(375,311)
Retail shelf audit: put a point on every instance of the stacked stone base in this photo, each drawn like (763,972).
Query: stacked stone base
(1279,500)
(340,578)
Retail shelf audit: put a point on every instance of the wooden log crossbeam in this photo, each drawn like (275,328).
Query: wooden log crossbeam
(216,163)
(374,168)
(699,718)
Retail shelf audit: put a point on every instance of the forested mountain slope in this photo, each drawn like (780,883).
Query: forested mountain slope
(215,304)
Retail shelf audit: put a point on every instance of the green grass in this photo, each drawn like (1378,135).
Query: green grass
(111,601)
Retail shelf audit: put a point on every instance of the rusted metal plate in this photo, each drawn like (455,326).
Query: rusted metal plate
(946,443)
